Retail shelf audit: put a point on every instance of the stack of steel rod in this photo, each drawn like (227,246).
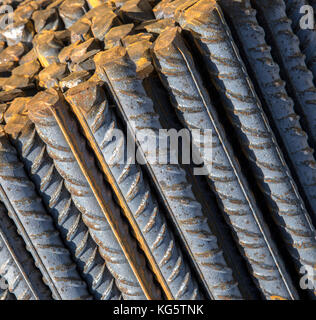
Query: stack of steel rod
(88,91)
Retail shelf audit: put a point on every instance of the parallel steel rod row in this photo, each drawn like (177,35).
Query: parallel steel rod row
(37,227)
(49,114)
(292,60)
(118,71)
(279,104)
(67,217)
(16,264)
(194,108)
(91,107)
(228,74)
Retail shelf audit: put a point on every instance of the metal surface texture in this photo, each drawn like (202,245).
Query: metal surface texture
(307,37)
(98,121)
(230,78)
(194,107)
(23,279)
(67,217)
(286,44)
(279,104)
(6,295)
(157,150)
(48,112)
(118,71)
(37,228)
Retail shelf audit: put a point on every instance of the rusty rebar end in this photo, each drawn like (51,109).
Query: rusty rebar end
(110,55)
(16,117)
(165,39)
(198,11)
(85,95)
(40,105)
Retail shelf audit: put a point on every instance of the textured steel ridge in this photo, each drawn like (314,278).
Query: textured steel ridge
(307,37)
(229,75)
(279,104)
(90,195)
(37,228)
(114,67)
(6,295)
(16,264)
(94,96)
(67,217)
(92,109)
(196,112)
(298,77)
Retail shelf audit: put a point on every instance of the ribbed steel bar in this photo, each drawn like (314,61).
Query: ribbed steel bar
(228,74)
(6,295)
(37,227)
(117,69)
(92,197)
(279,104)
(50,186)
(16,264)
(307,37)
(291,60)
(196,111)
(89,103)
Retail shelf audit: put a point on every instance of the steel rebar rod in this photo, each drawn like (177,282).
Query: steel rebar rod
(206,22)
(307,37)
(196,111)
(278,103)
(292,61)
(16,264)
(91,107)
(92,197)
(37,227)
(50,186)
(119,72)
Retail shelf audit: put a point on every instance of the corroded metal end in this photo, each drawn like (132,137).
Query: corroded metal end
(136,11)
(50,76)
(47,47)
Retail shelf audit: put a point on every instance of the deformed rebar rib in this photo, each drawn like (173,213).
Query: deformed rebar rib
(89,103)
(91,196)
(307,37)
(227,72)
(279,104)
(37,227)
(118,71)
(16,264)
(50,186)
(5,294)
(286,43)
(195,110)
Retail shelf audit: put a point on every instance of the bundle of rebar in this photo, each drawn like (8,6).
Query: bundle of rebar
(157,150)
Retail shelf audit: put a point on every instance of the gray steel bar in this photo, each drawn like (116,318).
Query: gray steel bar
(196,111)
(116,68)
(205,21)
(16,264)
(37,227)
